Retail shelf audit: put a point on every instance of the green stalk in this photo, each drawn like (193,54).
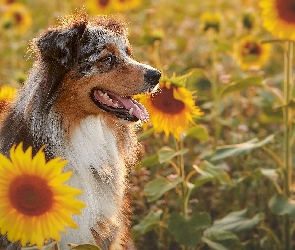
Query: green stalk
(215,108)
(184,187)
(288,89)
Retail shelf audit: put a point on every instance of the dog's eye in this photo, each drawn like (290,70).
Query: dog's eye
(107,60)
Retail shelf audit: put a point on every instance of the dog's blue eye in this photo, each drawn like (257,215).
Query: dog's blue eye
(107,59)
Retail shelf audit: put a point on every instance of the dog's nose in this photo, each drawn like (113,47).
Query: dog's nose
(152,76)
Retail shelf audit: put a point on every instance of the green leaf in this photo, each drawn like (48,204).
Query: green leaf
(166,153)
(270,173)
(188,231)
(149,161)
(221,239)
(210,172)
(150,222)
(157,187)
(223,152)
(237,222)
(202,181)
(290,104)
(83,247)
(199,132)
(281,205)
(47,247)
(146,134)
(241,85)
(214,245)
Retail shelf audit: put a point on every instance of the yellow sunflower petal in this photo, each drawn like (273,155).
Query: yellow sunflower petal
(279,18)
(171,109)
(60,179)
(35,220)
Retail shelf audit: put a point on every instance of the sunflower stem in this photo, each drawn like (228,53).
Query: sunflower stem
(184,189)
(288,89)
(214,87)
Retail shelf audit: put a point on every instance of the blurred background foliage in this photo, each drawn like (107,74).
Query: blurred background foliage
(218,186)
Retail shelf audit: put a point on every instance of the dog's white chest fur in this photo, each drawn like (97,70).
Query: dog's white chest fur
(100,173)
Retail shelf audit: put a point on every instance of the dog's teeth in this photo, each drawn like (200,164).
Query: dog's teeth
(116,105)
(106,96)
(131,111)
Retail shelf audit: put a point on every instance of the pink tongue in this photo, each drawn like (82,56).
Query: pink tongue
(134,108)
(116,101)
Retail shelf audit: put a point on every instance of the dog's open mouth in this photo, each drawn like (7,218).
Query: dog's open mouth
(124,107)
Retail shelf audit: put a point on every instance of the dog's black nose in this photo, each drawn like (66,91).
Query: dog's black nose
(152,76)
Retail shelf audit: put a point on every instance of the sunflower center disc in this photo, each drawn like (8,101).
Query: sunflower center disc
(30,195)
(165,102)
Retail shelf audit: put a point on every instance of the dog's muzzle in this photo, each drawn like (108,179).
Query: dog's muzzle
(125,107)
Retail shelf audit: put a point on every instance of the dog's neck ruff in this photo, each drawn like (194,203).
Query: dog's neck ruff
(94,155)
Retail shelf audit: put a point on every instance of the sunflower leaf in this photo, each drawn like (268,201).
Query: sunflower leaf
(237,222)
(157,187)
(47,247)
(281,205)
(221,239)
(198,132)
(83,247)
(188,231)
(223,152)
(165,154)
(210,172)
(241,85)
(147,224)
(147,162)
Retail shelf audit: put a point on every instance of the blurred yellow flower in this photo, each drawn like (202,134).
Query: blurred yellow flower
(7,1)
(16,16)
(108,6)
(171,109)
(250,53)
(123,5)
(210,21)
(279,18)
(7,95)
(35,205)
(99,6)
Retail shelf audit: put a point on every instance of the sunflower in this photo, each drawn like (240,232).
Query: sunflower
(210,21)
(16,16)
(171,108)
(279,17)
(250,53)
(99,6)
(35,205)
(7,94)
(107,6)
(123,5)
(5,2)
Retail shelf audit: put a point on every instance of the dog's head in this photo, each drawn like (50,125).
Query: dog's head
(101,75)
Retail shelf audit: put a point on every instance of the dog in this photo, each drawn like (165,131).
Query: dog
(77,100)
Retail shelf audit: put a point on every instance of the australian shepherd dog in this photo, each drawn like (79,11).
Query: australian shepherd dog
(77,100)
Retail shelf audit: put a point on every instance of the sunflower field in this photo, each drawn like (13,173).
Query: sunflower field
(216,170)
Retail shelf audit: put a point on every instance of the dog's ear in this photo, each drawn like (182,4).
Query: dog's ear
(62,45)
